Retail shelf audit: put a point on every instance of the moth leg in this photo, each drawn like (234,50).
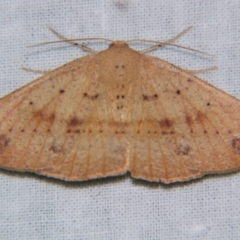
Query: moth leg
(81,46)
(201,70)
(35,71)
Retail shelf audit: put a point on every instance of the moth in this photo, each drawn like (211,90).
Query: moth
(116,111)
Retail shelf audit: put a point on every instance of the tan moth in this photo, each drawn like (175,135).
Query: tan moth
(115,111)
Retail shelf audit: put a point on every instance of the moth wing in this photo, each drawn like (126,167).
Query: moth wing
(51,126)
(187,129)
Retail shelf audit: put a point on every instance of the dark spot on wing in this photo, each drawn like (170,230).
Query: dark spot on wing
(120,96)
(178,92)
(41,116)
(73,122)
(236,144)
(120,66)
(200,116)
(51,117)
(120,107)
(189,120)
(166,123)
(91,97)
(56,149)
(38,114)
(149,97)
(182,150)
(61,91)
(4,142)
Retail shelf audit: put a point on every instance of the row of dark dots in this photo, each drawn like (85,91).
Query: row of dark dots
(118,96)
(117,132)
(154,96)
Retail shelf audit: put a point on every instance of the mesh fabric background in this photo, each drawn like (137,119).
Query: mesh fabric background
(34,207)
